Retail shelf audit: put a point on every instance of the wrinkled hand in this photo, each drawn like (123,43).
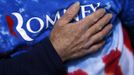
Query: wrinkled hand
(73,40)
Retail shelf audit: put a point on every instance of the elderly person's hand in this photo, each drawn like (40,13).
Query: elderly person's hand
(73,40)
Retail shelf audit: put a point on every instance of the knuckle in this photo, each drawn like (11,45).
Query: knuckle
(60,22)
(107,18)
(68,15)
(89,19)
(98,14)
(95,19)
(97,27)
(92,18)
(96,38)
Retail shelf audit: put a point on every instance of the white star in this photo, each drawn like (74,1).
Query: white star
(85,1)
(3,1)
(19,1)
(36,1)
(21,10)
(0,15)
(26,15)
(5,32)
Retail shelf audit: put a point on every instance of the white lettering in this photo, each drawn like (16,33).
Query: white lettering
(29,27)
(84,11)
(49,20)
(19,27)
(94,8)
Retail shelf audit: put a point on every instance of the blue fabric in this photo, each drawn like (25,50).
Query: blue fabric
(127,12)
(42,14)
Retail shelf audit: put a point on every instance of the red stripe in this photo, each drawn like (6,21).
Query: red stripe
(127,41)
(78,72)
(10,23)
(112,63)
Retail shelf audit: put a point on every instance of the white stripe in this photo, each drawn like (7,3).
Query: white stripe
(127,62)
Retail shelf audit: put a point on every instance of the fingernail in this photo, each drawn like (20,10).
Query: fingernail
(102,10)
(77,3)
(110,15)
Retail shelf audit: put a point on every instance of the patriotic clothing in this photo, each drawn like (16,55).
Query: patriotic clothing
(25,23)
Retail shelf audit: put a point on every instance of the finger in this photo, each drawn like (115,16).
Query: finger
(91,19)
(83,52)
(70,13)
(96,47)
(99,25)
(99,36)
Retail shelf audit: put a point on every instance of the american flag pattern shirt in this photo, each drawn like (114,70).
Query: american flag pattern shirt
(26,22)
